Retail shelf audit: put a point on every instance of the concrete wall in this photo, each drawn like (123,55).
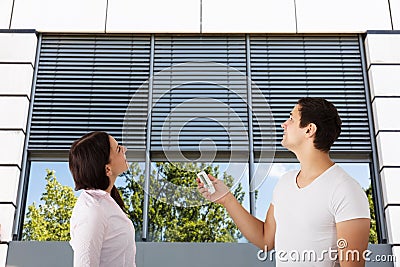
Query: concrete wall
(148,254)
(17,56)
(196,16)
(383,59)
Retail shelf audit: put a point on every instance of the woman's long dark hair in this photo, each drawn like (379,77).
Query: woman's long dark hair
(88,157)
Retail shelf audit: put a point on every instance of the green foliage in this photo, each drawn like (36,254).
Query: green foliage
(373,235)
(186,222)
(49,221)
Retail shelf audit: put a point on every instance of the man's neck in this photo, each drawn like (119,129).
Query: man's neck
(313,163)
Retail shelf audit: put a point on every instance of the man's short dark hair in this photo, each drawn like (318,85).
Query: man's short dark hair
(325,116)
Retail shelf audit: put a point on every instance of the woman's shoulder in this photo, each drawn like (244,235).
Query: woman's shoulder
(89,205)
(91,198)
(95,194)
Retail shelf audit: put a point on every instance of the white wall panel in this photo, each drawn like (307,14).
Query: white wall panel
(9,179)
(60,16)
(393,219)
(383,48)
(18,47)
(395,10)
(342,16)
(388,148)
(6,221)
(12,144)
(16,79)
(384,80)
(396,254)
(252,16)
(384,110)
(391,185)
(14,112)
(3,254)
(5,14)
(153,16)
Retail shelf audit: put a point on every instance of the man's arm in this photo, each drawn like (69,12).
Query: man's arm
(256,231)
(353,236)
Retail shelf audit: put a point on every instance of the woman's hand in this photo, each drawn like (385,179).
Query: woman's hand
(222,193)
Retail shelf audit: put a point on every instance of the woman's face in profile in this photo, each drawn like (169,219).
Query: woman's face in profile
(118,163)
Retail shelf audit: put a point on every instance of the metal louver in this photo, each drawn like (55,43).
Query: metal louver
(84,83)
(199,95)
(286,68)
(199,90)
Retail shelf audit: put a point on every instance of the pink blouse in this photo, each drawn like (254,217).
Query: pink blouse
(101,233)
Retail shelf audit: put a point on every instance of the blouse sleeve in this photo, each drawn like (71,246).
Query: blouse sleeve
(87,234)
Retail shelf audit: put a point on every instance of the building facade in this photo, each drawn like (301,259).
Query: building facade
(375,23)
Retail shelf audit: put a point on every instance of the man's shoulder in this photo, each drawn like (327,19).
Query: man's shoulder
(343,185)
(339,176)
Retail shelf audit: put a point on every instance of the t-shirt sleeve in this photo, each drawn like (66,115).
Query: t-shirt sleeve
(349,201)
(276,191)
(87,234)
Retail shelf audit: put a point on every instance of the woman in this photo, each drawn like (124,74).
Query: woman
(101,233)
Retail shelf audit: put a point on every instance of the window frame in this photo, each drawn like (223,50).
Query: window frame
(369,157)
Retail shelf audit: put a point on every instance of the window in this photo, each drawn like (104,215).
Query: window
(179,213)
(193,98)
(359,171)
(51,197)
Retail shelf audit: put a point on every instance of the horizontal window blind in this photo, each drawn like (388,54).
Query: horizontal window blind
(286,68)
(199,94)
(84,83)
(199,90)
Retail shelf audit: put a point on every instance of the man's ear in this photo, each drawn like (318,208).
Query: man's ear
(108,170)
(311,129)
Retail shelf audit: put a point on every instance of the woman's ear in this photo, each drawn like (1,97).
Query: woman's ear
(108,170)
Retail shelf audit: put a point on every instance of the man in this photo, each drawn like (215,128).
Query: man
(316,211)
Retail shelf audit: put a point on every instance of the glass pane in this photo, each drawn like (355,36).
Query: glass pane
(178,213)
(359,171)
(50,199)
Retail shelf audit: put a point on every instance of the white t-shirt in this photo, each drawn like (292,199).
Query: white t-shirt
(101,233)
(306,217)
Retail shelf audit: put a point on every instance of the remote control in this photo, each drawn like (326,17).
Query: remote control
(206,181)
